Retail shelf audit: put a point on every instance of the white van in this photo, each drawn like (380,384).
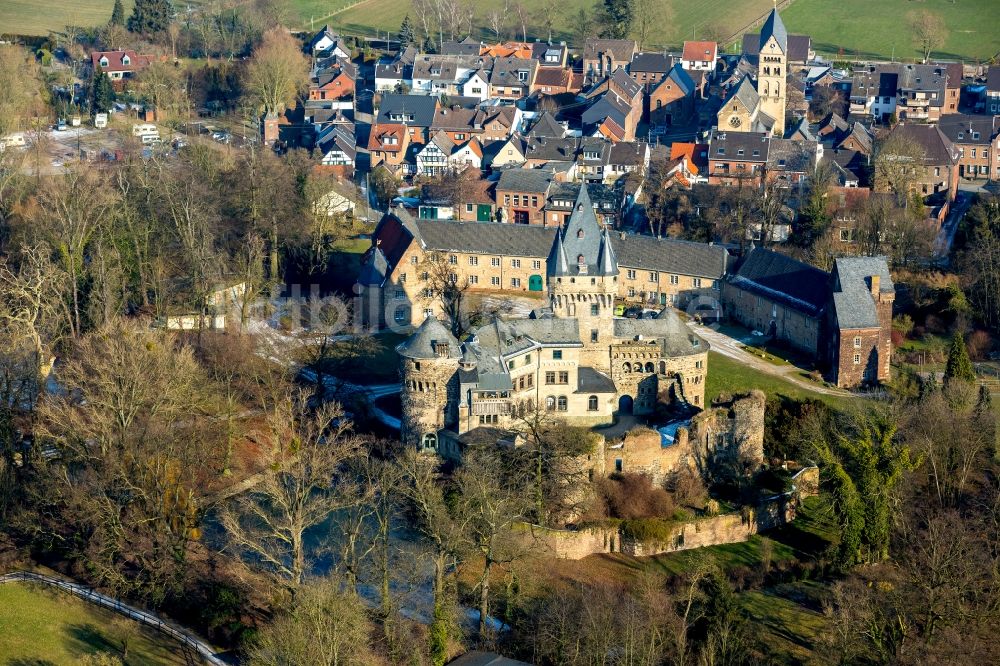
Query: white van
(151,139)
(15,140)
(142,129)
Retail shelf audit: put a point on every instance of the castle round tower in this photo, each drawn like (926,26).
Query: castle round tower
(429,362)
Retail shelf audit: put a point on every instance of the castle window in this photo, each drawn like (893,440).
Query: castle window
(562,403)
(857,359)
(579,233)
(698,364)
(550,403)
(626,367)
(663,367)
(515,263)
(592,403)
(618,464)
(593,335)
(527,359)
(857,341)
(413,260)
(452,259)
(564,377)
(473,261)
(637,367)
(580,259)
(550,377)
(494,261)
(697,282)
(429,442)
(595,310)
(674,279)
(557,354)
(630,274)
(650,367)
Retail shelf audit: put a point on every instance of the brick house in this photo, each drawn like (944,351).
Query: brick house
(332,84)
(977,139)
(672,100)
(859,322)
(735,157)
(601,57)
(388,143)
(993,90)
(843,319)
(939,173)
(521,195)
(416,112)
(648,69)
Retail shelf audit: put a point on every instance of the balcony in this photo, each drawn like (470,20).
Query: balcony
(484,406)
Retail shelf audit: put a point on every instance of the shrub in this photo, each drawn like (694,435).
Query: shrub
(979,344)
(629,496)
(648,530)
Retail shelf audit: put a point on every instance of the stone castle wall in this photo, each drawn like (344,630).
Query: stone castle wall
(713,531)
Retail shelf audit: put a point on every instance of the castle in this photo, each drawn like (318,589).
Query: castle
(572,358)
(760,107)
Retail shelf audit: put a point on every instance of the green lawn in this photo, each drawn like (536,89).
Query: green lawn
(787,619)
(864,28)
(367,361)
(26,17)
(45,627)
(685,19)
(728,376)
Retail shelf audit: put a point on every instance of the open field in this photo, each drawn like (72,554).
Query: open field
(40,625)
(687,19)
(865,28)
(34,17)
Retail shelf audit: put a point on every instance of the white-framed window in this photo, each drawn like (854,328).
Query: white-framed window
(652,276)
(630,274)
(515,283)
(697,283)
(495,281)
(536,264)
(473,279)
(674,279)
(857,359)
(631,292)
(473,261)
(515,263)
(468,208)
(494,261)
(453,259)
(857,341)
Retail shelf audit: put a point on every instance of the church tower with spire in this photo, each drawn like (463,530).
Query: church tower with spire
(582,272)
(772,70)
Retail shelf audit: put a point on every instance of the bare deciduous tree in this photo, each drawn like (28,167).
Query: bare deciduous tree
(277,71)
(928,31)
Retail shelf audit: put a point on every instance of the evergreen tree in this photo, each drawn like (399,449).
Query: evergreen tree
(102,93)
(150,16)
(617,18)
(959,366)
(405,35)
(118,14)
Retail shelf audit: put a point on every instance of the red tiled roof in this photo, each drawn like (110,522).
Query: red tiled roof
(700,51)
(386,129)
(695,153)
(116,61)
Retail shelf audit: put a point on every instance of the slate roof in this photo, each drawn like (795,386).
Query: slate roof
(778,277)
(524,180)
(398,229)
(339,136)
(421,344)
(774,27)
(418,109)
(506,71)
(582,248)
(452,118)
(374,267)
(745,92)
(553,77)
(540,49)
(546,125)
(993,79)
(937,148)
(620,49)
(467,46)
(650,62)
(797,51)
(792,156)
(833,124)
(590,380)
(862,135)
(680,78)
(962,128)
(549,149)
(629,86)
(852,299)
(609,106)
(672,335)
(727,146)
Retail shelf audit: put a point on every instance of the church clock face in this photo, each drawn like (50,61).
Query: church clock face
(734,121)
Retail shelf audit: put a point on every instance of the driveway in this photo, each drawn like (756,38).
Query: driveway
(733,348)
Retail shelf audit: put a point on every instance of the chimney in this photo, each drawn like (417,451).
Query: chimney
(875,285)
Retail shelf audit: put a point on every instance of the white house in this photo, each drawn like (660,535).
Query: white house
(477,85)
(469,154)
(337,146)
(699,56)
(328,43)
(433,157)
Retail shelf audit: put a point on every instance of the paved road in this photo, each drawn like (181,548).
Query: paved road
(732,348)
(946,236)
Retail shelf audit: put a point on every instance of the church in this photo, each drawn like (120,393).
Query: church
(572,358)
(759,106)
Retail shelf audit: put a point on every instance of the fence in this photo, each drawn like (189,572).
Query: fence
(203,650)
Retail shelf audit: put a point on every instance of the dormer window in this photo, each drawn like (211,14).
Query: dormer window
(740,152)
(756,153)
(579,206)
(104,61)
(579,234)
(126,60)
(580,259)
(522,75)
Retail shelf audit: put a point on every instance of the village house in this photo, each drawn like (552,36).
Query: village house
(937,180)
(549,55)
(334,82)
(977,139)
(337,148)
(388,144)
(394,74)
(326,43)
(737,158)
(672,100)
(790,163)
(601,57)
(910,92)
(699,56)
(512,78)
(119,65)
(441,74)
(521,195)
(992,104)
(648,69)
(415,112)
